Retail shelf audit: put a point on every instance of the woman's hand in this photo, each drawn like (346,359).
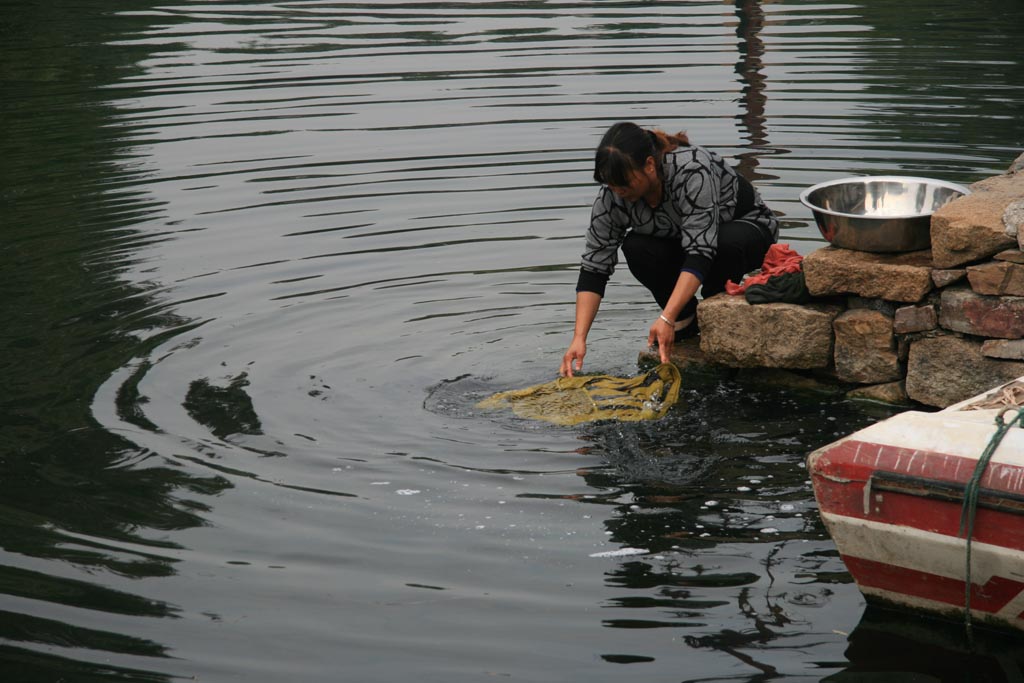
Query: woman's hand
(664,334)
(663,330)
(574,356)
(587,304)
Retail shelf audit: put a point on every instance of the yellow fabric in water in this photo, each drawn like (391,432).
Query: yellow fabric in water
(572,400)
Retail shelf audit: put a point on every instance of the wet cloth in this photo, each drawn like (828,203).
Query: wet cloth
(587,398)
(775,281)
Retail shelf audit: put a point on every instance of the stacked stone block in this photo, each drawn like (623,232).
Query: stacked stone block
(937,326)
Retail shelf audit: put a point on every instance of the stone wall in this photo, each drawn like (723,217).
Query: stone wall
(935,326)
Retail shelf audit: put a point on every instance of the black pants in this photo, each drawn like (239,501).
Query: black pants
(656,261)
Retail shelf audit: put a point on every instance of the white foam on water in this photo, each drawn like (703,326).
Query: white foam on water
(621,552)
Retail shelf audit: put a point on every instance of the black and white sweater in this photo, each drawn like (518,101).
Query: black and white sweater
(700,191)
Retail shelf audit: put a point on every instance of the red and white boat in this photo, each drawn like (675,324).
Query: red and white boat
(891,497)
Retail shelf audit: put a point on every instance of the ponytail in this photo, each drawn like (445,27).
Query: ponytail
(667,142)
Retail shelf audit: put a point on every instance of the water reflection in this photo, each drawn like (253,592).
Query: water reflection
(84,513)
(887,646)
(719,518)
(750,68)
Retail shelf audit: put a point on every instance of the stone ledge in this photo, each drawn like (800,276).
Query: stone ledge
(905,277)
(738,334)
(859,328)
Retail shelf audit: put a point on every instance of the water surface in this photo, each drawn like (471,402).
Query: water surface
(261,259)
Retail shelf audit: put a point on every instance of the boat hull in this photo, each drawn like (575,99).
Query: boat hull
(891,497)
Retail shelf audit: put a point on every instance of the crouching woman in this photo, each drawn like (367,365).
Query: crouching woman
(684,219)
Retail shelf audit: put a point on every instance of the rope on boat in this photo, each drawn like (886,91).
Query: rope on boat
(971,493)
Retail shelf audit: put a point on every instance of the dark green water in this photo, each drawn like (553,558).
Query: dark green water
(260,259)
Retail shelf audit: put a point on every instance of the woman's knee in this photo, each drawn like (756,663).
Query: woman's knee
(743,244)
(654,262)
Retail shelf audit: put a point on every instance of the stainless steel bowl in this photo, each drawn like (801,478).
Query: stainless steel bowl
(879,213)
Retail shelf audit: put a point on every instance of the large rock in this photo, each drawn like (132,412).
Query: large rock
(963,310)
(945,369)
(896,277)
(996,278)
(971,228)
(865,348)
(777,335)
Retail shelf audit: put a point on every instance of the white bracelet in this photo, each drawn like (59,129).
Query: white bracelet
(667,320)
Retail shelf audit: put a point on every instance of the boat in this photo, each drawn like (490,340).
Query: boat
(892,497)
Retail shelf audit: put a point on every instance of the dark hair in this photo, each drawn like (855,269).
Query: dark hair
(625,148)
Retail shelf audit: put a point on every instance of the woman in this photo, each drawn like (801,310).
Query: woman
(683,218)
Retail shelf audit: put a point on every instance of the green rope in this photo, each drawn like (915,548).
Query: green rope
(971,492)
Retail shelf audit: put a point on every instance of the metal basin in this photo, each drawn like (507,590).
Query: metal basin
(879,213)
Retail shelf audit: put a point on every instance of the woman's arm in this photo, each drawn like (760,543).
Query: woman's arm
(587,304)
(665,333)
(608,224)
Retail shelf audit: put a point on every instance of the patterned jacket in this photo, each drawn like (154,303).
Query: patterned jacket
(700,191)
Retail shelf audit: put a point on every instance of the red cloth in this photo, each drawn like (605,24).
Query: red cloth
(779,259)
